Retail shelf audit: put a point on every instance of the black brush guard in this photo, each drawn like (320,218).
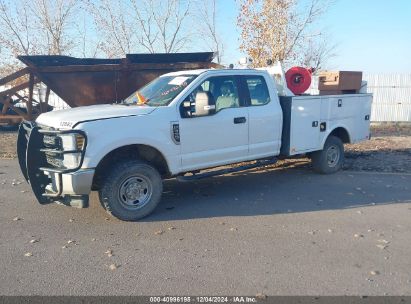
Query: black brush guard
(33,162)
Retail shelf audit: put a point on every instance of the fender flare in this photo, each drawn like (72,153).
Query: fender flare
(332,130)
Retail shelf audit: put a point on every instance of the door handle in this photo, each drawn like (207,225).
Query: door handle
(239,120)
(314,124)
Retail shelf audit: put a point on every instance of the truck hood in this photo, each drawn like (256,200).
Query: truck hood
(67,119)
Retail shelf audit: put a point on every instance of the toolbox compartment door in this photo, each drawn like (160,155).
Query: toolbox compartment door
(305,125)
(342,107)
(301,124)
(362,119)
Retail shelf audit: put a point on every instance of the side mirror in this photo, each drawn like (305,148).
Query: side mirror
(187,109)
(204,104)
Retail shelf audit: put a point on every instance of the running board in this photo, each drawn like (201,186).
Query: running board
(197,176)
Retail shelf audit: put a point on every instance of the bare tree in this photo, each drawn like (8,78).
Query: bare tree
(16,29)
(318,53)
(163,24)
(89,45)
(207,14)
(170,23)
(54,21)
(35,27)
(113,21)
(145,20)
(277,29)
(143,25)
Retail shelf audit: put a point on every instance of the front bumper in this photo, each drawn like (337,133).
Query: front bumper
(50,183)
(75,183)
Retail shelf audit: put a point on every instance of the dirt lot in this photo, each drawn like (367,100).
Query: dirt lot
(389,150)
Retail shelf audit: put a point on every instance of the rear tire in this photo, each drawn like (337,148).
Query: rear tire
(331,158)
(131,190)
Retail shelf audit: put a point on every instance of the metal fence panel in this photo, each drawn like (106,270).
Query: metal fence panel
(392,96)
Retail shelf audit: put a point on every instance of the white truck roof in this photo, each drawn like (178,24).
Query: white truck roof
(228,71)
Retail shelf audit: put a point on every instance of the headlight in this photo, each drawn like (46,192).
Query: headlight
(72,142)
(71,160)
(64,150)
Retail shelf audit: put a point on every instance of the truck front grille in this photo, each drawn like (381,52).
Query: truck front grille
(52,141)
(55,160)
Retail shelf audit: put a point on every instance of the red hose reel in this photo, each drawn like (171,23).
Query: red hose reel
(298,79)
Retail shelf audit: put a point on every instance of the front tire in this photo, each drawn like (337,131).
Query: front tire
(331,158)
(131,190)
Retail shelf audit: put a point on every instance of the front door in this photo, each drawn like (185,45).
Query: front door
(221,137)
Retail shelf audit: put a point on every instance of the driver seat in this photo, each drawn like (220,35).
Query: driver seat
(227,99)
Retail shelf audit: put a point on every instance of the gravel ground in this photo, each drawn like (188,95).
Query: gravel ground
(386,154)
(8,145)
(389,150)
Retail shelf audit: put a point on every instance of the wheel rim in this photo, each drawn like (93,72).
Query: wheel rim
(135,192)
(333,156)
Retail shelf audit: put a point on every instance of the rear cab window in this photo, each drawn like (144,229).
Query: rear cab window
(258,90)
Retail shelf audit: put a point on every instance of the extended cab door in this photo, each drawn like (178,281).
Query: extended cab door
(220,137)
(265,116)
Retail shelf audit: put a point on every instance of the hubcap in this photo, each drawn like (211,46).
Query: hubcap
(135,192)
(333,156)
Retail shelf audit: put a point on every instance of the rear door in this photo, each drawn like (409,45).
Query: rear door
(265,118)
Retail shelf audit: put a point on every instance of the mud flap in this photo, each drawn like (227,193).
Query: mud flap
(34,161)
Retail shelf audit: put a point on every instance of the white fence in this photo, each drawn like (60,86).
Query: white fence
(392,96)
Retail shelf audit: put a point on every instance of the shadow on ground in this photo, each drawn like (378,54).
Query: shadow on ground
(276,191)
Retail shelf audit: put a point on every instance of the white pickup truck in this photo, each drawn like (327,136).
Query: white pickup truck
(176,126)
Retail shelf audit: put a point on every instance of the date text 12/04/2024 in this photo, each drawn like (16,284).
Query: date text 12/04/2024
(204,299)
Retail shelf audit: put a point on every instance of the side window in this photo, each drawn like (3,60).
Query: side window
(222,89)
(257,87)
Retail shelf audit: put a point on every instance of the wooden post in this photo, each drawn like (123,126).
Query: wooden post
(6,104)
(30,100)
(46,100)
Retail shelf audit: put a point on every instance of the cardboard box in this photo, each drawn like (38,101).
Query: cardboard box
(339,81)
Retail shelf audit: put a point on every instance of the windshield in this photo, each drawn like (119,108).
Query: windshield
(161,91)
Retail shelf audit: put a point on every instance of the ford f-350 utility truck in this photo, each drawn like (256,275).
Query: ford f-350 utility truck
(177,126)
